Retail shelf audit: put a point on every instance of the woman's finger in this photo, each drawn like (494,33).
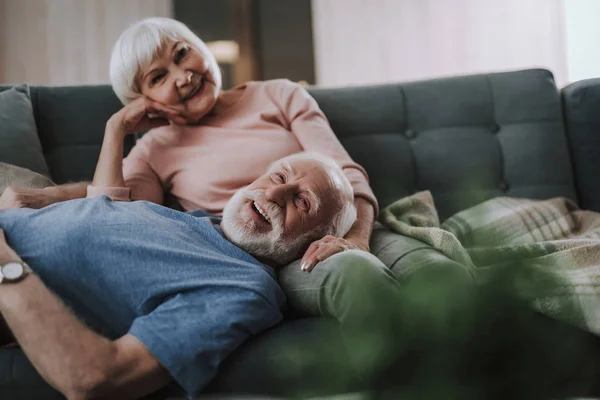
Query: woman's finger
(324,254)
(163,108)
(308,254)
(165,112)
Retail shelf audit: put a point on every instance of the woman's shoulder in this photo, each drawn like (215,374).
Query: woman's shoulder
(278,91)
(274,85)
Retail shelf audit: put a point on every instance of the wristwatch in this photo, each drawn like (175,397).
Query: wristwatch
(13,271)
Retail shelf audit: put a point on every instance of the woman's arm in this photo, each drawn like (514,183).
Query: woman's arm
(18,197)
(108,177)
(109,170)
(360,233)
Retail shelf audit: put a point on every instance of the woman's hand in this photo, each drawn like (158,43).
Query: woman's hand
(141,115)
(324,248)
(17,197)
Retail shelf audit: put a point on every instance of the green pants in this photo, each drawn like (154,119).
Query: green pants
(378,297)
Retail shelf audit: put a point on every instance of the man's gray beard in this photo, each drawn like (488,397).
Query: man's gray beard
(242,233)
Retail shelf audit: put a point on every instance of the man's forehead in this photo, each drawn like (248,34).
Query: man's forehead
(320,182)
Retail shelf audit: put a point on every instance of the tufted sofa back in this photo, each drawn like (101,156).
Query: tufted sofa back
(467,139)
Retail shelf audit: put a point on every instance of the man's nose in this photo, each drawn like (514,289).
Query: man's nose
(279,193)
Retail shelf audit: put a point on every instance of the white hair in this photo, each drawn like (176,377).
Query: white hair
(343,220)
(141,43)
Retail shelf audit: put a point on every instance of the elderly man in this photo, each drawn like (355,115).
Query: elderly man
(125,297)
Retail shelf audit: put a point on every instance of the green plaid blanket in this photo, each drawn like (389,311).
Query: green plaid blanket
(557,242)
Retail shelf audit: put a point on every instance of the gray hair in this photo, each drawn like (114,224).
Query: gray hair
(140,44)
(343,220)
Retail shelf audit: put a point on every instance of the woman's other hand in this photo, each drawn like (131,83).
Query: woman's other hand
(141,115)
(324,248)
(17,197)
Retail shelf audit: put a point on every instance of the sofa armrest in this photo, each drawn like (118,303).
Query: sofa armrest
(581,108)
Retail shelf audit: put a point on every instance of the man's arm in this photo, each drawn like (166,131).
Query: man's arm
(16,197)
(71,357)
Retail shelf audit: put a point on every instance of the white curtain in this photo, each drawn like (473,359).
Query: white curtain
(65,42)
(373,41)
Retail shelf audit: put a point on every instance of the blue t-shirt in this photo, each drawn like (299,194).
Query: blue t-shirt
(169,278)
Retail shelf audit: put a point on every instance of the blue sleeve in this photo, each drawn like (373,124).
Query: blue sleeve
(192,333)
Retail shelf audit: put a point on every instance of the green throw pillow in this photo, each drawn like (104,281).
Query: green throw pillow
(19,142)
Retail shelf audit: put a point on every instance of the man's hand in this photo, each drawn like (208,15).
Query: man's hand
(17,197)
(324,248)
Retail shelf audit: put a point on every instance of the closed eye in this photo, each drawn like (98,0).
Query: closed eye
(302,203)
(278,177)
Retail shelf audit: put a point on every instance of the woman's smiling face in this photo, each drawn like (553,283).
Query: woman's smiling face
(180,78)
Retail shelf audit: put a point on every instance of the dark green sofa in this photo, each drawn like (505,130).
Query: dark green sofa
(511,134)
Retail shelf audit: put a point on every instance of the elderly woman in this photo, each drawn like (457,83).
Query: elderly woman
(204,144)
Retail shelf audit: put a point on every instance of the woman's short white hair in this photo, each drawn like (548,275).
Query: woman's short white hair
(140,44)
(346,217)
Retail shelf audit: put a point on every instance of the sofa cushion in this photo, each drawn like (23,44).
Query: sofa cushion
(19,142)
(304,357)
(466,139)
(581,104)
(71,122)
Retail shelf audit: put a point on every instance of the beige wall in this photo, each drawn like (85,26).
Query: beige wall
(65,42)
(583,32)
(371,41)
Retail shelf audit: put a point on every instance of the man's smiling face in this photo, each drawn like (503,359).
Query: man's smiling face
(284,210)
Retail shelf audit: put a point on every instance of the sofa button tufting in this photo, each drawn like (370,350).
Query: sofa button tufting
(504,186)
(495,128)
(410,134)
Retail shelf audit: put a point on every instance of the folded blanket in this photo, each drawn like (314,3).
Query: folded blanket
(556,242)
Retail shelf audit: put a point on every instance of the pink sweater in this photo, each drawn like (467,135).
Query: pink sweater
(204,165)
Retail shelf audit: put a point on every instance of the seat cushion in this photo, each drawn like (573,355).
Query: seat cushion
(19,142)
(278,362)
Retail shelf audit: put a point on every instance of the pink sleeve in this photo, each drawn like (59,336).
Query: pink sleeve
(311,128)
(115,193)
(141,182)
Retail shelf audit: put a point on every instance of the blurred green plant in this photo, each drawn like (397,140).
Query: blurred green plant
(446,338)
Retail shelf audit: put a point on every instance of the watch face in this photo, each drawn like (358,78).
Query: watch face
(12,271)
